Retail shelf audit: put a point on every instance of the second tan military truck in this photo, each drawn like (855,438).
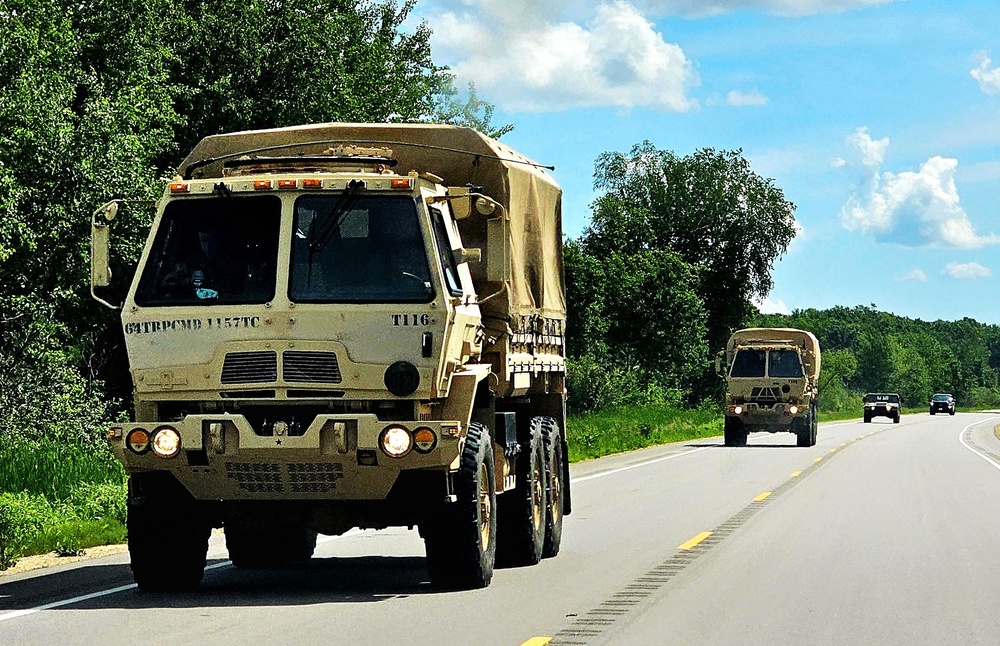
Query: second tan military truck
(771,384)
(345,325)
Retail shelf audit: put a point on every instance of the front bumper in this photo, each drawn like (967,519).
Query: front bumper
(767,416)
(338,457)
(881,411)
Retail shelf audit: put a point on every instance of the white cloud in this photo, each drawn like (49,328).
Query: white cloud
(772,306)
(740,99)
(985,74)
(966,270)
(525,57)
(909,208)
(694,8)
(914,275)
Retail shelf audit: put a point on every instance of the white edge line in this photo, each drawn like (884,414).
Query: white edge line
(122,588)
(961,439)
(636,465)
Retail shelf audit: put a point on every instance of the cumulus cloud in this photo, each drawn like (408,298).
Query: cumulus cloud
(914,275)
(772,306)
(985,74)
(741,99)
(909,208)
(527,56)
(696,8)
(966,270)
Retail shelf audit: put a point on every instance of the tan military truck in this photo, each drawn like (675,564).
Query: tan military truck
(346,325)
(771,384)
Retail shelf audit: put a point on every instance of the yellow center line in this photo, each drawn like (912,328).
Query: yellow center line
(843,445)
(833,450)
(796,474)
(762,496)
(694,541)
(537,641)
(818,459)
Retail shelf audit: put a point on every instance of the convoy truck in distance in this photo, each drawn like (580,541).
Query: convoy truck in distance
(345,325)
(772,379)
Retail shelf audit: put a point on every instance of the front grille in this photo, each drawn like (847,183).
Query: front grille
(256,477)
(299,366)
(250,367)
(764,395)
(306,477)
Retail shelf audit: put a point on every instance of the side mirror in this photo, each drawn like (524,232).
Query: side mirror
(460,202)
(718,363)
(100,249)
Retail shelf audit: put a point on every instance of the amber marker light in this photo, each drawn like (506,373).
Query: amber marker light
(286,184)
(424,440)
(262,185)
(312,183)
(403,183)
(180,187)
(137,440)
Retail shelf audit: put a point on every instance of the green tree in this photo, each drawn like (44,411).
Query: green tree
(710,208)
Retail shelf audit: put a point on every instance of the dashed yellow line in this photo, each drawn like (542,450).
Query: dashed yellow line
(762,496)
(818,459)
(694,541)
(796,474)
(843,445)
(833,450)
(537,641)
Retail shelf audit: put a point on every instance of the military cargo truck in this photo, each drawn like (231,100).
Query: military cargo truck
(345,325)
(771,384)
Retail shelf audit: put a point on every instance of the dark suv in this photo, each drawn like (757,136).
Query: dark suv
(942,403)
(882,405)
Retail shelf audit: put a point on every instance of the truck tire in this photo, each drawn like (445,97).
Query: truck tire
(254,544)
(895,419)
(521,512)
(868,419)
(951,412)
(735,433)
(460,536)
(167,536)
(932,411)
(555,489)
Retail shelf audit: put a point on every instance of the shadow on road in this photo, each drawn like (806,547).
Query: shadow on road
(320,580)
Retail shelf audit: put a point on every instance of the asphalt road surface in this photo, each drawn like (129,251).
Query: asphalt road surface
(880,534)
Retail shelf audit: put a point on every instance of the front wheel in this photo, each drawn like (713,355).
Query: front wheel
(932,411)
(735,433)
(952,412)
(167,534)
(895,420)
(460,536)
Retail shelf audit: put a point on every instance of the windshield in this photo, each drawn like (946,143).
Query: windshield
(785,363)
(748,363)
(892,399)
(213,251)
(942,398)
(370,252)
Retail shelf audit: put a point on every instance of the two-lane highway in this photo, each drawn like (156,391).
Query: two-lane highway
(881,533)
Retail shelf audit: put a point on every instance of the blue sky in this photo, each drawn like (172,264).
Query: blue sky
(879,119)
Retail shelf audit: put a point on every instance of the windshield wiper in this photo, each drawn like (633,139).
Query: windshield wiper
(318,240)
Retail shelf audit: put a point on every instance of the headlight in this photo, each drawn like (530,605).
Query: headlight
(166,442)
(396,441)
(137,440)
(737,410)
(793,410)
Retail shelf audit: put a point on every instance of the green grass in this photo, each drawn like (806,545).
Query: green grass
(626,429)
(53,469)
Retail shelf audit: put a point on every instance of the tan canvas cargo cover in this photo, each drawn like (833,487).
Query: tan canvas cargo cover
(460,156)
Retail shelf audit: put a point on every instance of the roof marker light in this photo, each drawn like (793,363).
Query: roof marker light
(262,185)
(403,183)
(180,187)
(312,183)
(287,183)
